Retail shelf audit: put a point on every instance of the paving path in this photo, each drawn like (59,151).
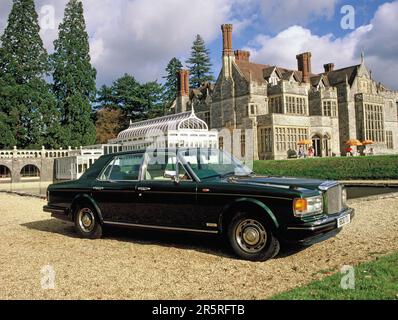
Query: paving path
(150,265)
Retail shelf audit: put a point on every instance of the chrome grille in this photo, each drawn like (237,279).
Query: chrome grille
(333,200)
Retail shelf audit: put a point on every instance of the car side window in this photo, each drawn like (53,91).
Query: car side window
(123,168)
(162,166)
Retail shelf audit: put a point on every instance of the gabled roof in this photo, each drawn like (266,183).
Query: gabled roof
(336,77)
(316,80)
(287,75)
(267,72)
(259,72)
(251,70)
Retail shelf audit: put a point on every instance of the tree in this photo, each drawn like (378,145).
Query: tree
(28,115)
(199,63)
(170,86)
(152,93)
(74,77)
(136,101)
(110,122)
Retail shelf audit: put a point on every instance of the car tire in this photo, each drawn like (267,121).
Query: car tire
(87,223)
(251,238)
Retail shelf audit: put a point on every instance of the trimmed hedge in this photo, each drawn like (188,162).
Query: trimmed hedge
(339,168)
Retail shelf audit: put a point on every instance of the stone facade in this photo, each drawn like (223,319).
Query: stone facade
(277,107)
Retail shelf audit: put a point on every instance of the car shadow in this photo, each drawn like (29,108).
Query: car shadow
(209,244)
(204,243)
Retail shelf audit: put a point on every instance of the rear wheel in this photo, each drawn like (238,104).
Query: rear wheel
(87,223)
(251,238)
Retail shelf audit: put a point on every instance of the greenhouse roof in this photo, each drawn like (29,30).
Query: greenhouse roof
(181,121)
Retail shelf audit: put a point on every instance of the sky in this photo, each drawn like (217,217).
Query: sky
(139,37)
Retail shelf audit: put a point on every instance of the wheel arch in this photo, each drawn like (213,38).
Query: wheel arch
(85,198)
(247,204)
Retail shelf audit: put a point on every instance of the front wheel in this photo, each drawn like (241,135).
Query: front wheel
(87,223)
(251,238)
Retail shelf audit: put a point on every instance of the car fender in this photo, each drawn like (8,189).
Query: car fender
(254,202)
(85,197)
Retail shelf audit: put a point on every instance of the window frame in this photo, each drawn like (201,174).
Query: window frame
(112,163)
(144,167)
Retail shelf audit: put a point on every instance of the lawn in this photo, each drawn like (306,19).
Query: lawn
(338,168)
(376,280)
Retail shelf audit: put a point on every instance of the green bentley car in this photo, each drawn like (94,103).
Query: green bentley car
(205,191)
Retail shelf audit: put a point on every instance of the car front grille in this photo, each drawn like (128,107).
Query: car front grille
(333,200)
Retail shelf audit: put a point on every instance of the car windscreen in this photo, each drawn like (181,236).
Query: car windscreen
(207,163)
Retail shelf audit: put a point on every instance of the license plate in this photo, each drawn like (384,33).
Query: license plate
(343,221)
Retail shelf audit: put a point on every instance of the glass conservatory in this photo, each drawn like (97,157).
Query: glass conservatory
(172,131)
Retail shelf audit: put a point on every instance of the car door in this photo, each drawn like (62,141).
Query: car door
(162,201)
(115,190)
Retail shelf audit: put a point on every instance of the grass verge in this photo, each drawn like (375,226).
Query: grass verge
(375,280)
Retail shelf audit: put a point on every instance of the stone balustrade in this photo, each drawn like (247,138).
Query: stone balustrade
(36,154)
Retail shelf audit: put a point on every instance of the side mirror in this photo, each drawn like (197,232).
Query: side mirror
(171,175)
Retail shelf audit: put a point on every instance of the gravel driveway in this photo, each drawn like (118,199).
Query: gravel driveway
(128,264)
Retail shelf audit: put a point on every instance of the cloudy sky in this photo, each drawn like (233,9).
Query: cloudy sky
(141,36)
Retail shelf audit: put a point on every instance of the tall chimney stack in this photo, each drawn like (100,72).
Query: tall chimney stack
(227,40)
(182,91)
(183,83)
(304,65)
(328,67)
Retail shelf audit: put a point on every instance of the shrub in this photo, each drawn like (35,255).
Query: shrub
(342,168)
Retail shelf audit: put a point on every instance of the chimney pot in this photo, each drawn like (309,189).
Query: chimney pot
(328,67)
(242,55)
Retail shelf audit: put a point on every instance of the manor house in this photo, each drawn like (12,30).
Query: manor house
(283,106)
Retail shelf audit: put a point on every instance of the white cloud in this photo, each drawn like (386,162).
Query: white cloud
(282,49)
(381,45)
(281,14)
(140,36)
(378,40)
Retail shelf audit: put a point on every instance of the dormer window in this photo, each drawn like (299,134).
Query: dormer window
(273,80)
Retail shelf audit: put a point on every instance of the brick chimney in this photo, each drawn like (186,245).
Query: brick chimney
(328,67)
(227,40)
(228,56)
(304,65)
(242,55)
(183,83)
(182,91)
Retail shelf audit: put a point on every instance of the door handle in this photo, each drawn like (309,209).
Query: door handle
(98,188)
(144,189)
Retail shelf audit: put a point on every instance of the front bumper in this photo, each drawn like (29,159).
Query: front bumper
(316,231)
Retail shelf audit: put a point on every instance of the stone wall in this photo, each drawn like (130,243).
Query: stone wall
(45,166)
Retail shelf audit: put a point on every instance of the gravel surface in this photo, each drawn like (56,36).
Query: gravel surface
(129,264)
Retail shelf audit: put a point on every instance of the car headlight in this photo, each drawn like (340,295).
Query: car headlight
(307,206)
(344,197)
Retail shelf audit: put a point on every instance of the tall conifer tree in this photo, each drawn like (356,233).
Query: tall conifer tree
(170,85)
(28,115)
(74,77)
(199,63)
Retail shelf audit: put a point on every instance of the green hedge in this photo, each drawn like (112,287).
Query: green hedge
(342,168)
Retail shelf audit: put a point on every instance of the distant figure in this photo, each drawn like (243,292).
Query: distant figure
(349,152)
(310,152)
(301,153)
(371,152)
